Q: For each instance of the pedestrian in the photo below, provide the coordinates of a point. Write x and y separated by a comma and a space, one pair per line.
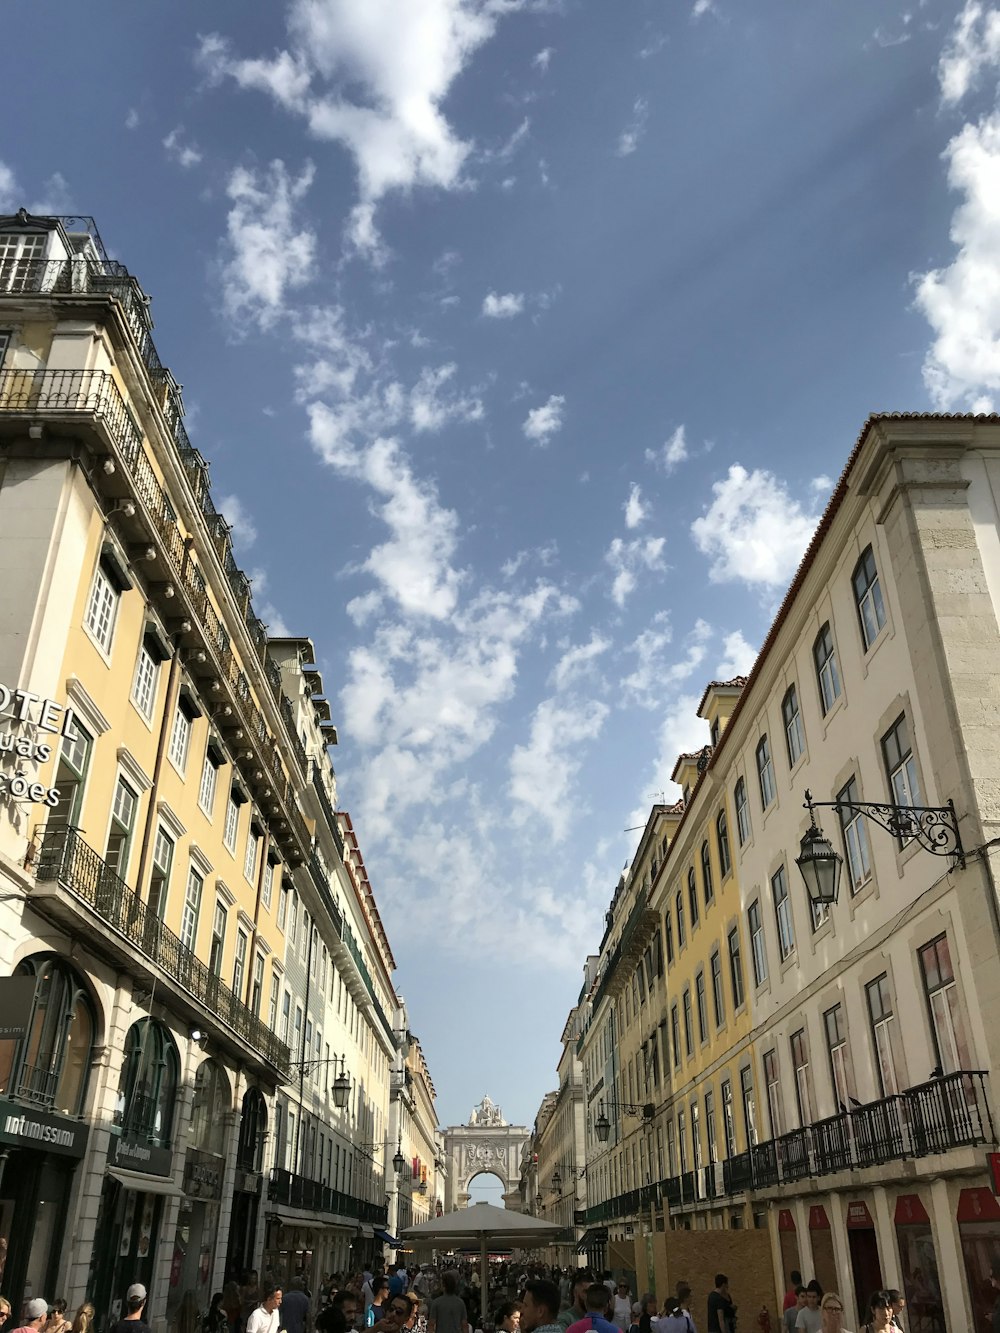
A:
57, 1321
340, 1315
507, 1318
216, 1320
232, 1304
380, 1302
895, 1296
295, 1307
83, 1321
447, 1313
598, 1298
186, 1319
675, 1319
721, 1310
791, 1295
809, 1319
879, 1313
265, 1318
792, 1313
33, 1315
540, 1308
832, 1310
622, 1310
650, 1313
249, 1294
636, 1316
134, 1320
577, 1308
5, 1310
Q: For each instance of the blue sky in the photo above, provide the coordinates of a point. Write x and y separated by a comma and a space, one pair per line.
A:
524, 338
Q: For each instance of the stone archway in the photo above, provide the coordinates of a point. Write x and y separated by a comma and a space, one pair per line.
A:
486, 1145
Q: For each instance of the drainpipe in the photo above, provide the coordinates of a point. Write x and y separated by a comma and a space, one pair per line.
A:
302, 1047
169, 705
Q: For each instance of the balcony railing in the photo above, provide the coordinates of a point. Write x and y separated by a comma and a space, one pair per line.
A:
300, 1192
932, 1118
38, 1085
66, 859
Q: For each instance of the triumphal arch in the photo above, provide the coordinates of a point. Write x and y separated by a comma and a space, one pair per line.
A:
486, 1144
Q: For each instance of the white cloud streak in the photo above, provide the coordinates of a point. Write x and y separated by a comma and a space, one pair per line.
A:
506, 306
635, 511
628, 140
671, 453
543, 422
753, 531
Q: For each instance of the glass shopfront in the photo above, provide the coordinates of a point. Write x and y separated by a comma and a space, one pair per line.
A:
247, 1187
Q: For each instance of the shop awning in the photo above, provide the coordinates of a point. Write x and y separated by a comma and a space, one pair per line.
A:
143, 1184
386, 1239
592, 1237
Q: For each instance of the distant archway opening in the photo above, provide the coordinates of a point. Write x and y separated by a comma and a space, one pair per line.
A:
485, 1187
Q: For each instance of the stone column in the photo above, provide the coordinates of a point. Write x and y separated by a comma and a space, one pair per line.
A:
958, 1312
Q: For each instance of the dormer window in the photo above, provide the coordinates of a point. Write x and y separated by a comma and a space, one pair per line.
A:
715, 731
21, 260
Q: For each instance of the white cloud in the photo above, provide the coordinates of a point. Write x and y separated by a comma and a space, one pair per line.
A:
375, 78
503, 307
239, 519
671, 453
542, 59
701, 7
961, 302
267, 253
635, 511
577, 662
628, 140
543, 772
132, 119
972, 48
738, 656
644, 685
682, 731
431, 408
753, 531
9, 189
510, 145
628, 558
542, 422
265, 608
186, 155
55, 198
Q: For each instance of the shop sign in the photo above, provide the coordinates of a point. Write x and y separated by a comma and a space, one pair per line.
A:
977, 1205
35, 1129
247, 1182
910, 1211
28, 714
786, 1222
818, 1220
202, 1176
137, 1155
17, 999
993, 1162
858, 1216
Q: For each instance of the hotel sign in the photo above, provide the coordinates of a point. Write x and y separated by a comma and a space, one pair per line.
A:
28, 715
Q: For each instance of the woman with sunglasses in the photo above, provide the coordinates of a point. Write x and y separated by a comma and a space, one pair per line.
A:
879, 1312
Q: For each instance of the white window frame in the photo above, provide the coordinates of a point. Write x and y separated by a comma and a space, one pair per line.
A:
869, 600
192, 907
102, 609
145, 681
765, 773
855, 836
163, 865
208, 786
250, 855
180, 740
772, 1084
116, 821
240, 963
791, 716
744, 828
217, 949
783, 913
800, 1067
827, 671
758, 945
267, 888
881, 1029
837, 1050
232, 825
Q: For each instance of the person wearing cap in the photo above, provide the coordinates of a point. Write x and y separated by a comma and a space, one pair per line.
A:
33, 1315
134, 1320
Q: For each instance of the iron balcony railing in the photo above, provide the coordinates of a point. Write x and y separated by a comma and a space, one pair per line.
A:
300, 1192
38, 1085
932, 1118
66, 859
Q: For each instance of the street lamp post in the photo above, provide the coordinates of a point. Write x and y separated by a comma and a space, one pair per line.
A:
933, 827
646, 1111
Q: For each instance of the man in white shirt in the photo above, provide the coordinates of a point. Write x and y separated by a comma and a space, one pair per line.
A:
265, 1318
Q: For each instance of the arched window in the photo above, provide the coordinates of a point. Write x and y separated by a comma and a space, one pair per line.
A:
147, 1088
693, 897
253, 1131
706, 872
49, 1068
742, 811
722, 838
679, 904
209, 1106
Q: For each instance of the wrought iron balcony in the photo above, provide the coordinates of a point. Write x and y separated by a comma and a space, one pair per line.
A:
37, 1084
67, 860
300, 1192
932, 1118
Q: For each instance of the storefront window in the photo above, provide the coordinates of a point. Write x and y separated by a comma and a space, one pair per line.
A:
49, 1068
209, 1108
253, 1129
147, 1089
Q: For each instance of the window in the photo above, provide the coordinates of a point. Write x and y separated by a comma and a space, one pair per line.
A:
209, 1106
668, 928
272, 1007
868, 598
147, 1088
147, 669
679, 904
180, 738
240, 964
21, 262
159, 880
758, 947
102, 608
881, 1017
742, 804
706, 873
250, 858
718, 997
827, 674
74, 761
749, 1105
728, 1118
682, 1141
765, 773
50, 1068
192, 906
120, 832
675, 1035
286, 1007
900, 765
693, 897
696, 1156
232, 822
736, 967
267, 887
4, 344
795, 740
209, 780
688, 1024
218, 940
701, 1001
942, 1001
800, 1064
836, 1046
283, 895
772, 1084
783, 912
855, 835
722, 839
713, 1151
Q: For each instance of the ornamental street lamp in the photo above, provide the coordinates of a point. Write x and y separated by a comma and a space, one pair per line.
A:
398, 1160
340, 1088
933, 827
556, 1181
602, 1125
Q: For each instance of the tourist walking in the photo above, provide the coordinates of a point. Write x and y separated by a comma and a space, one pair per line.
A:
447, 1312
295, 1307
809, 1319
832, 1310
33, 1316
265, 1318
791, 1312
721, 1310
134, 1320
598, 1299
792, 1294
540, 1307
577, 1307
622, 1308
